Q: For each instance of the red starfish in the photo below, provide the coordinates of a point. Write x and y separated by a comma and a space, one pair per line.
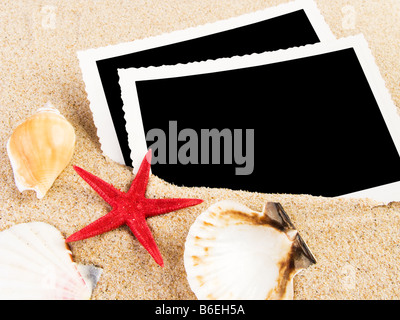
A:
131, 208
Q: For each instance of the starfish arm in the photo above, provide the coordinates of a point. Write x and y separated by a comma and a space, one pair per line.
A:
139, 183
142, 232
155, 207
104, 224
108, 192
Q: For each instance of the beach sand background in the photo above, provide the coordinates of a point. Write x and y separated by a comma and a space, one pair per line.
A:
356, 241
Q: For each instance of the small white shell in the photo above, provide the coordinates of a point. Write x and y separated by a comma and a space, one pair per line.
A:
36, 264
39, 149
232, 252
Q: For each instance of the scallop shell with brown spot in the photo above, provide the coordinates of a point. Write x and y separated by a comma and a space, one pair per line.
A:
39, 150
233, 252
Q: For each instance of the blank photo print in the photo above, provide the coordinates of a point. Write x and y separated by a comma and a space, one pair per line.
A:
293, 24
313, 120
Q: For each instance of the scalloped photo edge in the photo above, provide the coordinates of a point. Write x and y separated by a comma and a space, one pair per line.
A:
128, 77
94, 88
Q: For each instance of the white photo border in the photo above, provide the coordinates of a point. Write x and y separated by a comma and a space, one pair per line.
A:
128, 77
94, 89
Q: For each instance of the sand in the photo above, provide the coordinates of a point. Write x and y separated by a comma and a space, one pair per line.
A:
355, 240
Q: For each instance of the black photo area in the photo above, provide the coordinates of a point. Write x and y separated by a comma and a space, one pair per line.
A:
281, 32
318, 128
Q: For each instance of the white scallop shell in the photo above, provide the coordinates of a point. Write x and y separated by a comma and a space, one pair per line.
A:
233, 252
35, 263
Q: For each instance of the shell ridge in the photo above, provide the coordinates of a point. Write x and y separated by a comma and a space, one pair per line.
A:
36, 264
15, 247
32, 238
233, 252
60, 256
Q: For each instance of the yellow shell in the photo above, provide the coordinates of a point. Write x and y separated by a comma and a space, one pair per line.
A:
39, 150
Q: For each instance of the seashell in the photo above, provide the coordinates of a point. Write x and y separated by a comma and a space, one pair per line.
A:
233, 252
35, 263
39, 150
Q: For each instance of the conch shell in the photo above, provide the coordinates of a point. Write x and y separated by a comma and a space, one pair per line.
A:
235, 253
39, 150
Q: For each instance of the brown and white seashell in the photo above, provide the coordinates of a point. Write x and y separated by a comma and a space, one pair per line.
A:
36, 264
233, 252
39, 150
